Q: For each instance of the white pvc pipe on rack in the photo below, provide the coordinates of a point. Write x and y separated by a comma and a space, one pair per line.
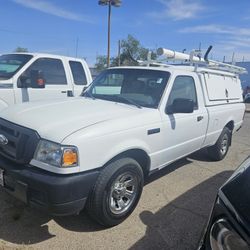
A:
174, 55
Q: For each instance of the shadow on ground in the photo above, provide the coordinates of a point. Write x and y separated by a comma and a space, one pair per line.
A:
22, 225
201, 155
167, 170
180, 224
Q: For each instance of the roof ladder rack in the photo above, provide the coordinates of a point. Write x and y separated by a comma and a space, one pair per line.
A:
195, 58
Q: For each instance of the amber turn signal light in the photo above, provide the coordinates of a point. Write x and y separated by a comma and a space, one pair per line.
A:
69, 157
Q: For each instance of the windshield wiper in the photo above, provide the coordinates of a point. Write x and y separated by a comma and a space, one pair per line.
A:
127, 100
88, 94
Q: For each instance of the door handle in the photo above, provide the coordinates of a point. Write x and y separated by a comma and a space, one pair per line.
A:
68, 92
199, 118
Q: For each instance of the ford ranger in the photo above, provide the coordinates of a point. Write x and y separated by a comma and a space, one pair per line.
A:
96, 150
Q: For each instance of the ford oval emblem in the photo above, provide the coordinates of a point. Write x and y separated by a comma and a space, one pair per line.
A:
3, 140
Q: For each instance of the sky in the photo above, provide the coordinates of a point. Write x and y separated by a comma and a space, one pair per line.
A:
79, 27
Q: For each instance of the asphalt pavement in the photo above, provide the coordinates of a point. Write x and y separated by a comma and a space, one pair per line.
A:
248, 107
171, 214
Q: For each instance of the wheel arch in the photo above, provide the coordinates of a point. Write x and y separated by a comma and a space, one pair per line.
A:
140, 155
230, 125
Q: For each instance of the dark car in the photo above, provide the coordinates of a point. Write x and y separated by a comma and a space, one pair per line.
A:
247, 98
229, 224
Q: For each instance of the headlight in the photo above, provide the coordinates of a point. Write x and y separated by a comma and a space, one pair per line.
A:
223, 236
56, 154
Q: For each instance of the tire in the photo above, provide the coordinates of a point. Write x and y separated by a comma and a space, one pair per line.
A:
219, 150
116, 192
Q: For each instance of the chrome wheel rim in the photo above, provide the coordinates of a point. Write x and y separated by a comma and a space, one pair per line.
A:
224, 144
123, 193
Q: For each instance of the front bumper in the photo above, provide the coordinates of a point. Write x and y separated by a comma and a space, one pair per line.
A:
57, 194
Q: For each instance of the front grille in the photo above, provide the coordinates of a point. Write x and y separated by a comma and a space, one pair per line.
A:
21, 144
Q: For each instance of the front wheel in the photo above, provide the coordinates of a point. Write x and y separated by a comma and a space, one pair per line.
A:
218, 151
116, 192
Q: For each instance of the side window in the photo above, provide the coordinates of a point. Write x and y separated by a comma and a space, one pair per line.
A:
52, 69
183, 87
78, 73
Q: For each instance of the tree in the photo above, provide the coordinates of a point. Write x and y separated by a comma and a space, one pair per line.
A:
131, 50
101, 63
20, 49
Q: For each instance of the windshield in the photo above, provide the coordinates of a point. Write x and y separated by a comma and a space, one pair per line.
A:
139, 87
10, 64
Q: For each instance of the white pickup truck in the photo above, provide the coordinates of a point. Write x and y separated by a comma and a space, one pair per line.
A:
97, 149
21, 77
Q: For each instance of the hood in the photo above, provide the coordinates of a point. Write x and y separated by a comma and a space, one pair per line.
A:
6, 81
55, 120
6, 84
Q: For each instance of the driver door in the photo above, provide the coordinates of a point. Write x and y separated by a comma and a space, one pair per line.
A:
184, 133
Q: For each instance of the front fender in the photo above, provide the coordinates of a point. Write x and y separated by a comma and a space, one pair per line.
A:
97, 152
122, 147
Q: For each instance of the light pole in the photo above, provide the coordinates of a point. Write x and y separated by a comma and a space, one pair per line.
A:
109, 3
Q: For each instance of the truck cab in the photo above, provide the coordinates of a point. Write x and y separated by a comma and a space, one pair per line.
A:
60, 77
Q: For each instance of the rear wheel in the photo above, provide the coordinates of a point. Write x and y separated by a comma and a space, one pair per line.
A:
219, 150
116, 192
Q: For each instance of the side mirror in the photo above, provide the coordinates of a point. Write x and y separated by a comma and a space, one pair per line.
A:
181, 105
37, 80
34, 80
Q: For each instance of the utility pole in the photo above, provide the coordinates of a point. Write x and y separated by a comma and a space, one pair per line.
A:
233, 62
77, 46
109, 3
109, 18
119, 53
